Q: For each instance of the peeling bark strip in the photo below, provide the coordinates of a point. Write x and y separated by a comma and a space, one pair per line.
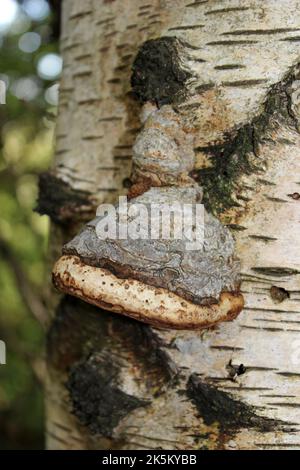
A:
158, 73
279, 294
97, 400
216, 406
61, 202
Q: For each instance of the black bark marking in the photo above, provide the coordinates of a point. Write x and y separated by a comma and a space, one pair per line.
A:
249, 32
71, 46
61, 202
105, 21
261, 369
229, 67
227, 348
98, 401
289, 405
272, 310
215, 405
242, 389
276, 271
62, 151
278, 396
232, 159
143, 13
191, 46
279, 294
266, 182
154, 22
245, 83
238, 228
187, 27
263, 238
235, 370
226, 10
89, 101
79, 332
276, 199
292, 375
197, 59
82, 74
292, 39
269, 446
80, 14
272, 330
123, 157
110, 119
157, 72
196, 4
288, 322
76, 331
123, 147
114, 81
231, 43
204, 87
92, 137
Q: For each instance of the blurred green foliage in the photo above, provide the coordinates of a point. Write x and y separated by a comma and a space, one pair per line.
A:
26, 146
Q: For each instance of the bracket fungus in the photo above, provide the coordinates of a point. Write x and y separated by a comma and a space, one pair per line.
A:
155, 279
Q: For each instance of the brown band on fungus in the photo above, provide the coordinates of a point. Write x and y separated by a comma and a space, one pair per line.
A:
156, 306
139, 188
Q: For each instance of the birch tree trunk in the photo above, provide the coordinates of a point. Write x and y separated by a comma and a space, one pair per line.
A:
114, 382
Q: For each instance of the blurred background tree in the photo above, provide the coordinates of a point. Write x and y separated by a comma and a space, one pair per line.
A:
30, 66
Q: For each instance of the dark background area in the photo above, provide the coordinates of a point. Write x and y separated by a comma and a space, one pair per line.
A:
30, 66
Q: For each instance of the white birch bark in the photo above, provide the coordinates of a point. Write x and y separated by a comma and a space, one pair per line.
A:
238, 51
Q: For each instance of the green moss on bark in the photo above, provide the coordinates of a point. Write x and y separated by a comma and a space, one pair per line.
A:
239, 154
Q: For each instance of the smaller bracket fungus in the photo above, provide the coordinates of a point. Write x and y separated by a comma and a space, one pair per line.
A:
163, 152
143, 266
